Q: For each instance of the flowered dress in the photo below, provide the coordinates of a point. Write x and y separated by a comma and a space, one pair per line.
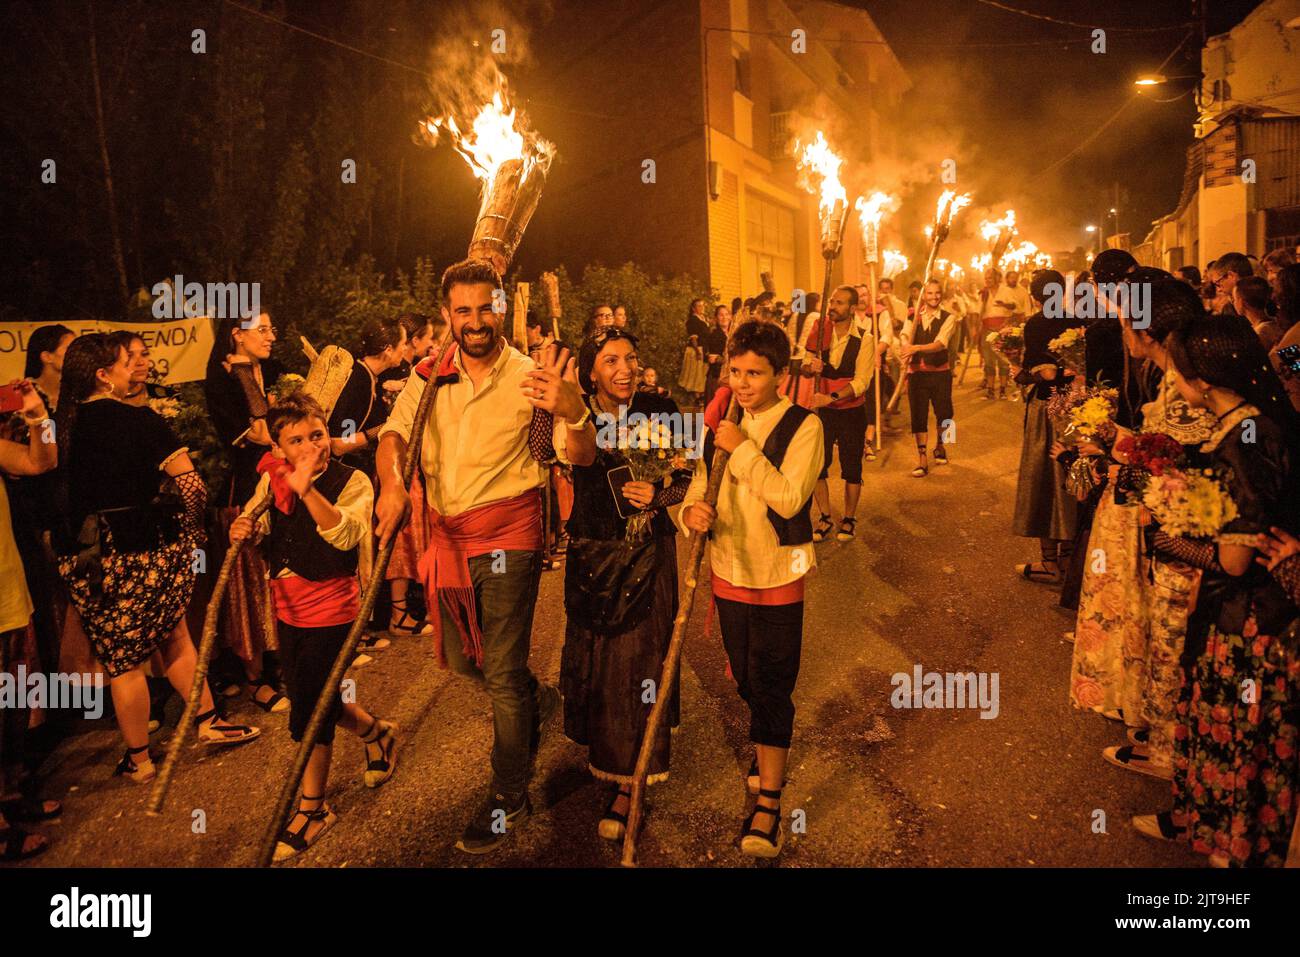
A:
1152, 682
1235, 760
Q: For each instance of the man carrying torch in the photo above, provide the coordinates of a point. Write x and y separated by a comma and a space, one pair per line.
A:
481, 462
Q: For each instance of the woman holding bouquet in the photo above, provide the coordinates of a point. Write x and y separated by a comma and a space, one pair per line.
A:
1044, 509
1111, 616
620, 584
1172, 433
1235, 764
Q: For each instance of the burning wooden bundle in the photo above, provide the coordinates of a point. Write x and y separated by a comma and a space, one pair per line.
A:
512, 161
997, 233
893, 263
819, 173
948, 206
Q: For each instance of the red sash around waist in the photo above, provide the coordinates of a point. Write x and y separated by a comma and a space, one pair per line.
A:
513, 524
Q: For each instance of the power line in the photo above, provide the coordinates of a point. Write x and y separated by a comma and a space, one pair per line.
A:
1074, 23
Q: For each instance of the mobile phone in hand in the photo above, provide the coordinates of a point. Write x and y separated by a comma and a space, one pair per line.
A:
1290, 359
617, 479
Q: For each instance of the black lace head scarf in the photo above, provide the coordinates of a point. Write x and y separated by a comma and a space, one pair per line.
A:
1224, 351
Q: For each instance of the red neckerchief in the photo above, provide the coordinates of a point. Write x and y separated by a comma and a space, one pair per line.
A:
447, 371
277, 470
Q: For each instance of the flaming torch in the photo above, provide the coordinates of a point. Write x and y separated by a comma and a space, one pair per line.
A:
819, 173
894, 263
997, 233
870, 212
950, 203
512, 161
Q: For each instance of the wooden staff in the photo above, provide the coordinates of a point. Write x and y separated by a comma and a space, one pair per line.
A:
257, 409
875, 348
158, 794
672, 660
289, 789
821, 322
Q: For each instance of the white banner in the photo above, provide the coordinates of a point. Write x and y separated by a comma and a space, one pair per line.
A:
178, 349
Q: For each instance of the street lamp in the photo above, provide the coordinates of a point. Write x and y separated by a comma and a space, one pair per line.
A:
1159, 79
1090, 229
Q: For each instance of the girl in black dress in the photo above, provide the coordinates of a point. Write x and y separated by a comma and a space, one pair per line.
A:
132, 522
620, 595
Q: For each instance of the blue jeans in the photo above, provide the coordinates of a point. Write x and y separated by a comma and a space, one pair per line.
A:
505, 600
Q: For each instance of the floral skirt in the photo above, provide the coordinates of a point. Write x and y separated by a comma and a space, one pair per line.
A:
603, 681
1110, 627
142, 597
1235, 763
1167, 594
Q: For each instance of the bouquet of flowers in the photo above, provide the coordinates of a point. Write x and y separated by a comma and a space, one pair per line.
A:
648, 450
1190, 502
1009, 341
1153, 452
1069, 348
1084, 414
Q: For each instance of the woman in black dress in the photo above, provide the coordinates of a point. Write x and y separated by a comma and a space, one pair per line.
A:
240, 373
620, 594
126, 546
1236, 780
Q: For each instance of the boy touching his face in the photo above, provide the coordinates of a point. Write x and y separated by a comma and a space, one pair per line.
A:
315, 538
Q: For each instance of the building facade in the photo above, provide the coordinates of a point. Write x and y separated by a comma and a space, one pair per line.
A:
685, 165
1241, 186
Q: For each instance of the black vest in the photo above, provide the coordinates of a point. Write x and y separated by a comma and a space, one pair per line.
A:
294, 543
848, 366
921, 336
797, 529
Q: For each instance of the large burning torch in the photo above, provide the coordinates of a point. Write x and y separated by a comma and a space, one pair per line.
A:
819, 173
871, 211
512, 161
950, 203
997, 233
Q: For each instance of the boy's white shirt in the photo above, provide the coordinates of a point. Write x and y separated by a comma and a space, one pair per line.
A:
744, 549
355, 503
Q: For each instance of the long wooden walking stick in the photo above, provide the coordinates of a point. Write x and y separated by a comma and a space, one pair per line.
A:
289, 790
158, 794
875, 349
672, 660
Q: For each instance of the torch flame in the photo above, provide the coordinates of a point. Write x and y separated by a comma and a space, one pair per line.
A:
981, 263
991, 230
894, 262
872, 210
949, 204
819, 171
497, 135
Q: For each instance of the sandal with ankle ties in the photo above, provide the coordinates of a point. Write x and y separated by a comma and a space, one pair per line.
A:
759, 843
292, 843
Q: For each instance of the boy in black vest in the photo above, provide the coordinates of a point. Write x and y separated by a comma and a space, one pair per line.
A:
315, 537
761, 533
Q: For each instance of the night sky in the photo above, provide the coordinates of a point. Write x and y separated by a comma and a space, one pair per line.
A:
1019, 109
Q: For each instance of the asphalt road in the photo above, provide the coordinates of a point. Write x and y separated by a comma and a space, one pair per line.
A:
929, 581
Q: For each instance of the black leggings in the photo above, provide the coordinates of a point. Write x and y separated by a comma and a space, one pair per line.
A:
763, 644
926, 389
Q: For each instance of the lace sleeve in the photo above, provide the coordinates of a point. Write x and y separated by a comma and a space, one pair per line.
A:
674, 493
1287, 573
540, 430
194, 493
1197, 554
